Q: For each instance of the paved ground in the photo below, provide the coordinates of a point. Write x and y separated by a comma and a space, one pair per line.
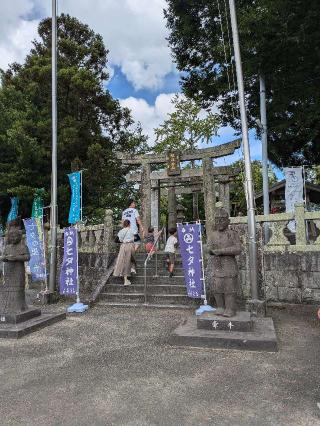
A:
114, 368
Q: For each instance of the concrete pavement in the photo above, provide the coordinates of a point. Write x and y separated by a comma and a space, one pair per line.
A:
113, 367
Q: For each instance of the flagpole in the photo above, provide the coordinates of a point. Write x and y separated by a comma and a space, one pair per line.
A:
54, 206
247, 159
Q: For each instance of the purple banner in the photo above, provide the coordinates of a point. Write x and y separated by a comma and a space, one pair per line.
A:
190, 247
37, 261
69, 268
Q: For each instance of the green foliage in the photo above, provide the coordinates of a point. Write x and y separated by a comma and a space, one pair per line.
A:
237, 192
92, 126
185, 127
278, 38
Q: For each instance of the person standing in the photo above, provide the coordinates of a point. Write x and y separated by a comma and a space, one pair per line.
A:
132, 214
170, 250
125, 257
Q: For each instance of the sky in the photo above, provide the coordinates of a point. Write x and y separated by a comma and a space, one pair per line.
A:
143, 75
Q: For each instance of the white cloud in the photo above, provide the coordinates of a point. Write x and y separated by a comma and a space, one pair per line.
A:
133, 30
16, 32
150, 116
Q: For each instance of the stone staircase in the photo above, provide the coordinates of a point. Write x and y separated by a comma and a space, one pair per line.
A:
162, 291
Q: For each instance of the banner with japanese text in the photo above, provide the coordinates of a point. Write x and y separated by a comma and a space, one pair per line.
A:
75, 206
293, 191
13, 214
37, 261
189, 236
69, 268
37, 211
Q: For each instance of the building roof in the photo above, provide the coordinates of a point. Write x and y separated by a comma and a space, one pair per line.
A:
281, 184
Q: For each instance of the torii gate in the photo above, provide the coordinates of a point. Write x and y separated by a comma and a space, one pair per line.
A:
151, 180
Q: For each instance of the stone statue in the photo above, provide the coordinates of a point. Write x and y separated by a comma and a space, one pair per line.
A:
12, 293
222, 268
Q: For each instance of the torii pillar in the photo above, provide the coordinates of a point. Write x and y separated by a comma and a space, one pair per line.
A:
145, 195
209, 196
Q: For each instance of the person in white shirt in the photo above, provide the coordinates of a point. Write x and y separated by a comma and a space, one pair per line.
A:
170, 250
125, 257
132, 214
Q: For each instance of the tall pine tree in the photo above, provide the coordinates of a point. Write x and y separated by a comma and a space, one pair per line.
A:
92, 126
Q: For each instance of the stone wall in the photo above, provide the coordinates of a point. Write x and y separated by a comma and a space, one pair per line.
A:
292, 277
289, 268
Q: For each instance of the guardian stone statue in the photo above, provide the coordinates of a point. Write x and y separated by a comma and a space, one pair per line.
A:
222, 268
12, 293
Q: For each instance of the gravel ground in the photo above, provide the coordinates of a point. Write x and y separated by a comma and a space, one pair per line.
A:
112, 366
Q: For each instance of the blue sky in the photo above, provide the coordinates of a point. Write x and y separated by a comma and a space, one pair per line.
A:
143, 75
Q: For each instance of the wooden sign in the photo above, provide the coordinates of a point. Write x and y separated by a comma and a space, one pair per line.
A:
173, 167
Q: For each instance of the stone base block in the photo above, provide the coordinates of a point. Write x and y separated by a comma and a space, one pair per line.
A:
240, 322
15, 331
256, 307
15, 318
261, 338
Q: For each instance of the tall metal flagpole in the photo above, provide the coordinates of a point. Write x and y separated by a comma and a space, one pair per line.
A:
247, 160
264, 138
54, 207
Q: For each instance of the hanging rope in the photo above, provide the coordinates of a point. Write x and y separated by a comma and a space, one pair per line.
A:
230, 51
225, 54
235, 115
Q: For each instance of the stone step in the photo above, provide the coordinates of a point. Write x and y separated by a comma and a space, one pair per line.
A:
139, 279
161, 258
168, 299
152, 289
160, 265
104, 303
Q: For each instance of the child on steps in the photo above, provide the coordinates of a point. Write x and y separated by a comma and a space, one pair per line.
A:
170, 250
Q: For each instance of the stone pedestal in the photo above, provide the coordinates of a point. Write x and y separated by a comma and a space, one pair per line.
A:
241, 322
20, 329
16, 318
239, 332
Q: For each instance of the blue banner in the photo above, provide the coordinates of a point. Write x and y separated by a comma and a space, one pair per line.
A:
69, 268
189, 236
75, 206
13, 214
37, 261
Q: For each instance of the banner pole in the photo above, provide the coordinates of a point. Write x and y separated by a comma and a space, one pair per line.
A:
205, 302
81, 196
44, 254
205, 307
54, 204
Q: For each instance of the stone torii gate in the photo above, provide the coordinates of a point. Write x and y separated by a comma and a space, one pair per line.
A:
189, 182
150, 180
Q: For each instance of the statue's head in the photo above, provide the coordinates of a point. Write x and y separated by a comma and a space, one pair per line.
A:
14, 233
221, 219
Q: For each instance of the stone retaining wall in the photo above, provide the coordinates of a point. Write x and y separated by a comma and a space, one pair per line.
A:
292, 277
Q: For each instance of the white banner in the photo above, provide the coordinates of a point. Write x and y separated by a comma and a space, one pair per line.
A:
294, 191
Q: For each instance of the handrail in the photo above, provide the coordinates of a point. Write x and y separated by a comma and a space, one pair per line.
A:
155, 244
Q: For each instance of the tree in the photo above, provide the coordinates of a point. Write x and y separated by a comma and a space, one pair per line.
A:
92, 126
237, 192
280, 39
184, 129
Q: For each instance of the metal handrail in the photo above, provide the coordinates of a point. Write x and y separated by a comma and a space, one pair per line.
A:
155, 244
